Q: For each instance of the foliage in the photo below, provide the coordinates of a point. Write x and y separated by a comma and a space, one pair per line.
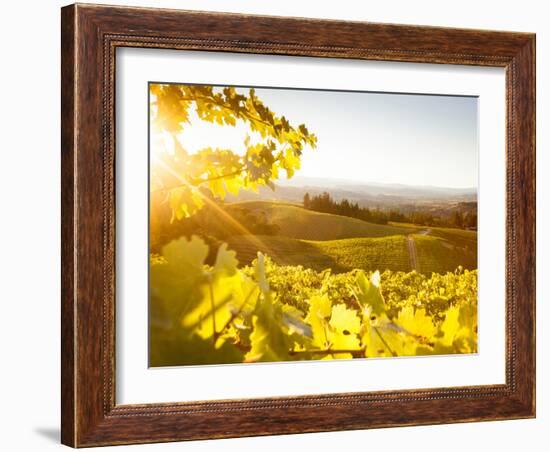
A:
339, 255
325, 203
188, 181
439, 255
391, 253
219, 313
207, 308
418, 216
296, 222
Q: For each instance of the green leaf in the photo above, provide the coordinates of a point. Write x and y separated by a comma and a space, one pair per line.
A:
188, 254
212, 312
176, 348
269, 342
261, 278
176, 282
368, 293
226, 261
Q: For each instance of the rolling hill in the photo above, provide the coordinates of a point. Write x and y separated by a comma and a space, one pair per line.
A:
340, 255
320, 241
298, 223
445, 248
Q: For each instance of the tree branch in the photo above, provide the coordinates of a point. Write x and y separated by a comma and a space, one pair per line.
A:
225, 106
199, 181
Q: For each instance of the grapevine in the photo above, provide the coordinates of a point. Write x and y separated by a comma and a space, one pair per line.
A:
220, 313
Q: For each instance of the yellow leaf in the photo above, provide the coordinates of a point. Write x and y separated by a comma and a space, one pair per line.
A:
341, 341
320, 305
450, 326
416, 322
374, 341
233, 184
344, 327
344, 319
217, 188
319, 311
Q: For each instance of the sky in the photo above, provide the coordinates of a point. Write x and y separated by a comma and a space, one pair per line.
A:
420, 140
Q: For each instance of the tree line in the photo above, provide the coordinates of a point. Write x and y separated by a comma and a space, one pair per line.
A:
326, 204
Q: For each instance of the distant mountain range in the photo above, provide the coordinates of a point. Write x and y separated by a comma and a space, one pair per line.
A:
370, 194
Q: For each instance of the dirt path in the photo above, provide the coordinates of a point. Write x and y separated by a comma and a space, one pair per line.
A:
413, 252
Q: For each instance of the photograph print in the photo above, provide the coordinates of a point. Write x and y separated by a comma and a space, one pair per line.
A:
296, 224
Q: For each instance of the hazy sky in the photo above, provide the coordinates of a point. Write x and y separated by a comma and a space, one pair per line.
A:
371, 137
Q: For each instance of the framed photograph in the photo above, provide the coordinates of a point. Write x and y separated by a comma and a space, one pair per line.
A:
282, 225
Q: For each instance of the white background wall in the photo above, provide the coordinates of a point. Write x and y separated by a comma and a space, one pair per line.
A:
29, 264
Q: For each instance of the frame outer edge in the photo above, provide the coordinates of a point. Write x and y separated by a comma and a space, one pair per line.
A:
86, 419
534, 226
68, 242
525, 62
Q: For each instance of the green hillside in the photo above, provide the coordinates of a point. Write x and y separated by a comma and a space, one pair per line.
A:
441, 255
459, 237
319, 241
298, 223
340, 255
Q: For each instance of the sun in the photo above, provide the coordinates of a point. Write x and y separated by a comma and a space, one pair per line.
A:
198, 134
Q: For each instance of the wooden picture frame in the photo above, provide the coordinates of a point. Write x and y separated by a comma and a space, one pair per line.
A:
90, 36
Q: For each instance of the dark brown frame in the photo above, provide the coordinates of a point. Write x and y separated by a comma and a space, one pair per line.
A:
90, 35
